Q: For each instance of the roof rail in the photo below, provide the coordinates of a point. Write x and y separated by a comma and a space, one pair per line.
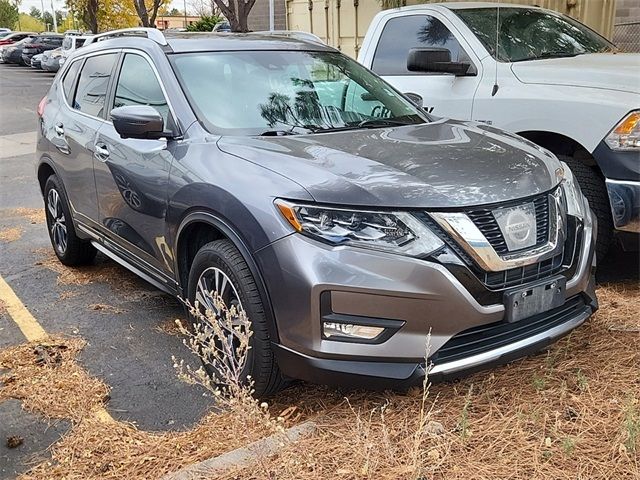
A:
309, 37
151, 33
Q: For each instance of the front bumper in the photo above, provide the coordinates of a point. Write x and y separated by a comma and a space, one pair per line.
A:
423, 296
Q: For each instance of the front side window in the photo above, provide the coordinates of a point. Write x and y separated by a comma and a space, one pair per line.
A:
138, 85
401, 34
92, 84
254, 92
530, 34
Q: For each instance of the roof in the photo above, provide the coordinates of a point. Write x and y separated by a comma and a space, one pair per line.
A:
466, 5
196, 42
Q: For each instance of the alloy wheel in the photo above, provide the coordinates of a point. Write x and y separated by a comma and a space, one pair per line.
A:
57, 221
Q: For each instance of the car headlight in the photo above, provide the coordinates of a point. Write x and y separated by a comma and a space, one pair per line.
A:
394, 232
626, 135
570, 191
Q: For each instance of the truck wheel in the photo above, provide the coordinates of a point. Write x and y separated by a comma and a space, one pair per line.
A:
218, 266
594, 188
69, 249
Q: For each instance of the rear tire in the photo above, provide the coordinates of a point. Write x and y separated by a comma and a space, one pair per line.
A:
594, 188
223, 256
69, 249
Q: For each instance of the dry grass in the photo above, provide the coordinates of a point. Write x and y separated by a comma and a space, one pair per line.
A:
106, 309
170, 327
572, 413
33, 215
45, 376
10, 234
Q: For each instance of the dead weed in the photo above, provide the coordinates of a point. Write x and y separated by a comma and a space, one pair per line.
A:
10, 234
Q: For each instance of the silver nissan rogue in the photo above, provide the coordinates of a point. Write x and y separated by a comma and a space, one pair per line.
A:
344, 220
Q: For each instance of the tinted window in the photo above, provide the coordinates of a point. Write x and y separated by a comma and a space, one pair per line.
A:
138, 85
529, 34
69, 77
401, 34
92, 84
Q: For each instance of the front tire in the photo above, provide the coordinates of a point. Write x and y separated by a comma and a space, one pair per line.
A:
219, 265
594, 188
69, 249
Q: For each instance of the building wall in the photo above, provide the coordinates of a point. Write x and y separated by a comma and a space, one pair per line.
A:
343, 23
626, 31
164, 22
259, 15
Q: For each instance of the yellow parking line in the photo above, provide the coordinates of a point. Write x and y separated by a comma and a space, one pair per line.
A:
32, 330
29, 326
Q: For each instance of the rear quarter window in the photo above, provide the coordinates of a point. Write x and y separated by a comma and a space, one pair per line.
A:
91, 91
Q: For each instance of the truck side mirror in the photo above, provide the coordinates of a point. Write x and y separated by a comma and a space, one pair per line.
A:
435, 60
415, 98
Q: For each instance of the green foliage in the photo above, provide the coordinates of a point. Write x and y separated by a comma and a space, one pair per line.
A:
8, 14
35, 13
30, 24
205, 24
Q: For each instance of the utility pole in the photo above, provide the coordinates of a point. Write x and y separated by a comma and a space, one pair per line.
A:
185, 13
272, 16
55, 22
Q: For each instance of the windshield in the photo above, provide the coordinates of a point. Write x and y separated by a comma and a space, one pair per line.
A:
528, 34
257, 92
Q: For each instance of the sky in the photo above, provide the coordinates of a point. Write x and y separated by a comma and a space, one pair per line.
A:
26, 5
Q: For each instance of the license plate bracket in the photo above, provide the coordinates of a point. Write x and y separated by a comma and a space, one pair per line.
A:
531, 300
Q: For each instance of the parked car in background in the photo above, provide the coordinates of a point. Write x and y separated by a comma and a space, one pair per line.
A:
51, 60
4, 34
350, 225
40, 44
70, 44
13, 52
36, 61
4, 31
13, 37
546, 77
222, 27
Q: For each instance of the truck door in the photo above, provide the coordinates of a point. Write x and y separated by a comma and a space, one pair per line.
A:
443, 94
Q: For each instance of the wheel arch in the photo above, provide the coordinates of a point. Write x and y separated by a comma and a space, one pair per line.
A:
202, 227
561, 144
45, 170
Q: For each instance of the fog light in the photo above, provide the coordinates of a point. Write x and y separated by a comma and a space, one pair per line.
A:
348, 330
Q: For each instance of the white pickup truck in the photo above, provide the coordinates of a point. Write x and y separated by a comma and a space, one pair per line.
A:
545, 77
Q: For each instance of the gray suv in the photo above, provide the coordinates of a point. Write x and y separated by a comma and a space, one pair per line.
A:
347, 222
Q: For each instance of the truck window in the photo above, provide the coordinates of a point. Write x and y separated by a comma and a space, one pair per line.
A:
401, 34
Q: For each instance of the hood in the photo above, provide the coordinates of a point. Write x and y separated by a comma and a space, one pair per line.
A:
442, 164
611, 71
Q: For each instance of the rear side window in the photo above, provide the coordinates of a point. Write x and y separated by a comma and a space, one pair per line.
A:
69, 79
92, 84
401, 34
138, 85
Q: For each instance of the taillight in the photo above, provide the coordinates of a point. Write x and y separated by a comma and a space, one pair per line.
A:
41, 105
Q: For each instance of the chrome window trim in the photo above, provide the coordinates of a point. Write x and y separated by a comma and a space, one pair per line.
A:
466, 234
84, 57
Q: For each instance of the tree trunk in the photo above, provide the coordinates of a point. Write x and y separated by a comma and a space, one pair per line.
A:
141, 10
237, 13
90, 15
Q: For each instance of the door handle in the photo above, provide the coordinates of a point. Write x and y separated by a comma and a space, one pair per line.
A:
59, 129
102, 152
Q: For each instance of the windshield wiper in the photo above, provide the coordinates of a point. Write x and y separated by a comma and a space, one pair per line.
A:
382, 122
277, 133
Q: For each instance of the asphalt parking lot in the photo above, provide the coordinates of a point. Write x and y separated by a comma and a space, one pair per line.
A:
128, 325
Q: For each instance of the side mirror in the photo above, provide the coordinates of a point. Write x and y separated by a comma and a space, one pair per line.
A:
415, 98
138, 121
435, 60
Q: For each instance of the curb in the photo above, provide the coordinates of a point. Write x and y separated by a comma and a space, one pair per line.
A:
243, 457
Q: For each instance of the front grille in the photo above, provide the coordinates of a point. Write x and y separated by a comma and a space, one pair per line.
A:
486, 223
521, 275
489, 337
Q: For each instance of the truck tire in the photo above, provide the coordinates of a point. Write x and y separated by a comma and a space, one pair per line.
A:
221, 258
593, 187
